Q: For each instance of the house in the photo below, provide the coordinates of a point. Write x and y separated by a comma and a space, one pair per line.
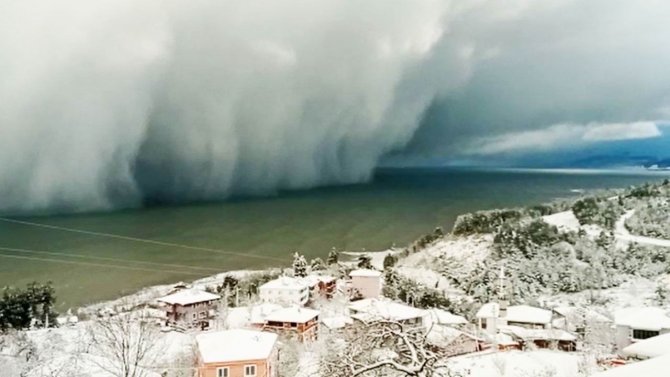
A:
542, 338
285, 290
336, 323
648, 348
320, 286
635, 324
490, 316
365, 283
372, 309
189, 307
237, 353
452, 342
298, 322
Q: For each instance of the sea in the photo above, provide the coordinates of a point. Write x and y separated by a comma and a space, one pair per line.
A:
98, 256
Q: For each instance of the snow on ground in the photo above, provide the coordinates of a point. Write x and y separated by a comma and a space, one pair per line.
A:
567, 222
639, 292
622, 233
465, 251
522, 364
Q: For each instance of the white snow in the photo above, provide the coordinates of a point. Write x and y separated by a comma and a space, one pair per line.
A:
518, 364
565, 221
292, 314
365, 273
285, 282
648, 348
443, 317
385, 309
622, 233
535, 334
528, 314
235, 345
189, 297
488, 310
656, 367
643, 318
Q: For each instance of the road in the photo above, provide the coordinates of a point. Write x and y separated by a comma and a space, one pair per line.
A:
621, 233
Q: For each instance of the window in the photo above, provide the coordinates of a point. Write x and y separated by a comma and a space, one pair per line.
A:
222, 372
644, 334
195, 316
249, 370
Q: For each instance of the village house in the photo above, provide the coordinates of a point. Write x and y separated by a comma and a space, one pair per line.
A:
365, 283
237, 353
445, 318
320, 286
298, 322
285, 290
491, 316
635, 324
542, 338
189, 308
372, 309
452, 342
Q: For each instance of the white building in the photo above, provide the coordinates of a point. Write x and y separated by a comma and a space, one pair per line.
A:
490, 317
376, 309
635, 324
285, 290
366, 283
237, 353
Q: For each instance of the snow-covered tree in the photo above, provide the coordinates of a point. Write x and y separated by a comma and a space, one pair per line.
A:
317, 264
364, 261
333, 257
299, 265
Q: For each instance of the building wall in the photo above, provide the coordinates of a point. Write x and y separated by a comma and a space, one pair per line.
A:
368, 286
624, 336
288, 295
236, 369
184, 314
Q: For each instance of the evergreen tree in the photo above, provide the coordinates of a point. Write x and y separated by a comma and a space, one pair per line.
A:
299, 265
389, 261
364, 261
333, 257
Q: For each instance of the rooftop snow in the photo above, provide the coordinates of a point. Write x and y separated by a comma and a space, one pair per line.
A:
645, 318
235, 345
294, 314
648, 348
444, 317
365, 273
488, 310
528, 314
538, 334
189, 297
384, 309
285, 282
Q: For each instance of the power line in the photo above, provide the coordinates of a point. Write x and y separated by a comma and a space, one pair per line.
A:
96, 264
135, 239
17, 250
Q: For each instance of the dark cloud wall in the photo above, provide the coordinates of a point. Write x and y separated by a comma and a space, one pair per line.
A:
107, 103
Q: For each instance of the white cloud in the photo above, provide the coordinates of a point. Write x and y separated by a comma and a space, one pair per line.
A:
561, 135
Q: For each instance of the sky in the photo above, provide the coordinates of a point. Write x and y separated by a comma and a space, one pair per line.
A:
110, 103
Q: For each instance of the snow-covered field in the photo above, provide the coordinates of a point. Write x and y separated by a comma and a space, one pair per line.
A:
541, 363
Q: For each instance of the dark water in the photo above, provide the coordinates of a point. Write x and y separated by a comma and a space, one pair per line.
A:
397, 207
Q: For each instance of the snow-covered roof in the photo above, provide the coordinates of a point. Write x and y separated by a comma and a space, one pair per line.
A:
189, 297
365, 273
444, 317
235, 345
538, 334
587, 314
488, 310
293, 314
656, 367
442, 336
385, 309
528, 314
260, 312
648, 348
645, 318
285, 282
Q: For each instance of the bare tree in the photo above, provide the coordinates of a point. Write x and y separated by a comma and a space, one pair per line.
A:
124, 345
381, 348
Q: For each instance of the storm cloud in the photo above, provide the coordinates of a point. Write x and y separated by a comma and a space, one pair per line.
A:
107, 103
